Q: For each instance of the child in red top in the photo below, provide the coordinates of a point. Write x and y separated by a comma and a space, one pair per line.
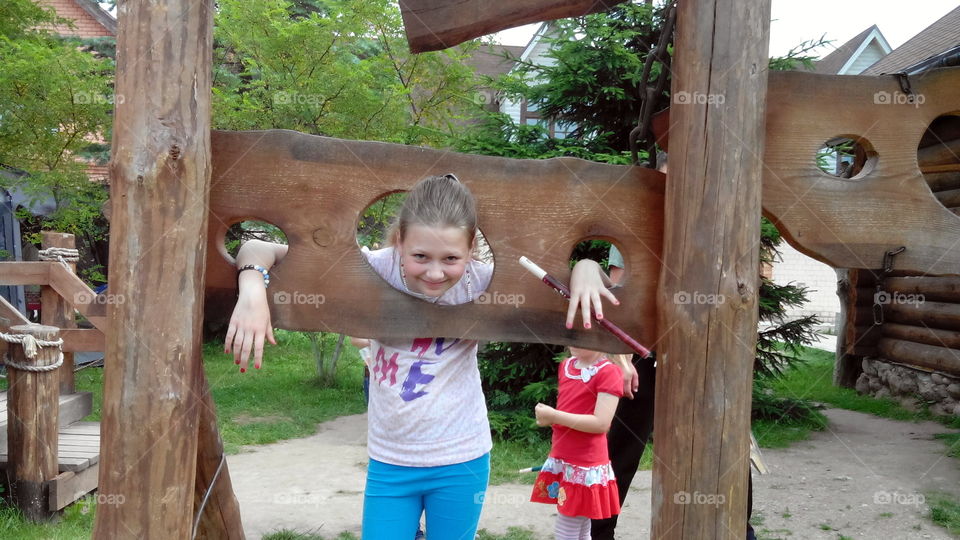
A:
577, 476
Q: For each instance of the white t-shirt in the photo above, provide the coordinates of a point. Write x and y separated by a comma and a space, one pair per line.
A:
426, 401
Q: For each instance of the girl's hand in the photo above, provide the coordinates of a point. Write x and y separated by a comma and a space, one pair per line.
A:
544, 414
249, 324
631, 380
587, 284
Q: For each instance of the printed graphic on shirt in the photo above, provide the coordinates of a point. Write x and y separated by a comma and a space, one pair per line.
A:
415, 383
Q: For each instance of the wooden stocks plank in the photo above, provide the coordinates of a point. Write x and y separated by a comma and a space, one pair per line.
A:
315, 188
438, 24
850, 223
709, 287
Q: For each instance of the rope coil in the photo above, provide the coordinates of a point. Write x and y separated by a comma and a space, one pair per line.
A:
59, 254
31, 346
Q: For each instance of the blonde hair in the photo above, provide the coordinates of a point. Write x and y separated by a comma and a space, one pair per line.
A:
437, 201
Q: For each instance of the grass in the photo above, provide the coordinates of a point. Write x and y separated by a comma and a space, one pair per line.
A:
813, 381
75, 524
945, 511
281, 401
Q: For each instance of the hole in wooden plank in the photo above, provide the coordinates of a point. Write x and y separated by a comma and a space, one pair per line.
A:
610, 257
937, 157
244, 231
847, 157
376, 233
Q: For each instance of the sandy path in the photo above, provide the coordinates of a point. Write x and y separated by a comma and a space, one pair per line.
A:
848, 479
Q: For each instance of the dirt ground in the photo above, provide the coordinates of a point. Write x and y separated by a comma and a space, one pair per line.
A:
863, 478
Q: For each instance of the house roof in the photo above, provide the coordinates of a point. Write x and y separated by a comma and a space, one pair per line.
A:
940, 36
835, 62
101, 15
494, 60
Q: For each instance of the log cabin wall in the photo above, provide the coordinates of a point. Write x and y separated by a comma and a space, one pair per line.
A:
914, 354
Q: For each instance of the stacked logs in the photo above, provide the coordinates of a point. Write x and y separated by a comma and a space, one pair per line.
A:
918, 350
914, 355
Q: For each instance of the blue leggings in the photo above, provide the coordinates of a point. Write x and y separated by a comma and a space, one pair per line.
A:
451, 495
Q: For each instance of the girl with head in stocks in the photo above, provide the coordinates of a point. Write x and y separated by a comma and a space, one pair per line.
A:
428, 433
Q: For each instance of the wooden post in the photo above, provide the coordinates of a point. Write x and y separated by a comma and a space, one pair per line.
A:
55, 310
221, 515
707, 302
160, 180
33, 410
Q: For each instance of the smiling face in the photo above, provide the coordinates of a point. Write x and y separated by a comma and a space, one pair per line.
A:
433, 258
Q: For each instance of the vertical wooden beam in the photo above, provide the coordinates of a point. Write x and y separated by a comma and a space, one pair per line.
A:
160, 180
707, 302
33, 411
55, 310
220, 518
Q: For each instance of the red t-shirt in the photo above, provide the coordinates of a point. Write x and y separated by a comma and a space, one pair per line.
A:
580, 397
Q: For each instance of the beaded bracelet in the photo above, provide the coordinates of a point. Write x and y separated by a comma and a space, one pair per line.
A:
258, 268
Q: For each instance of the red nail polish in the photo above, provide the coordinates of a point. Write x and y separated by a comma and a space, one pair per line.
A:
243, 370
237, 362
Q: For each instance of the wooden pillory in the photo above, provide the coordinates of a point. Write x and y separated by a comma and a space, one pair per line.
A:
176, 190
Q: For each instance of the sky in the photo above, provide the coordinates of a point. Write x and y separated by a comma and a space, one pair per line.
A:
796, 21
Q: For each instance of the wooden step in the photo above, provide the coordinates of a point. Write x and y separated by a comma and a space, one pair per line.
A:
73, 408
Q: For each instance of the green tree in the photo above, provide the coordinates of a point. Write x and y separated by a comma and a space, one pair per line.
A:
55, 104
340, 69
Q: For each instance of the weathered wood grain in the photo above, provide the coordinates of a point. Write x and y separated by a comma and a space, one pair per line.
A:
315, 188
33, 408
159, 180
712, 225
437, 24
920, 334
24, 273
221, 514
850, 223
919, 354
57, 311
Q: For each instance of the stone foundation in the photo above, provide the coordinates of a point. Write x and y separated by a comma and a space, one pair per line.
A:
910, 386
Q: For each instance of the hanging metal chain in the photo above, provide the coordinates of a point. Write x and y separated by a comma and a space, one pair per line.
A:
652, 94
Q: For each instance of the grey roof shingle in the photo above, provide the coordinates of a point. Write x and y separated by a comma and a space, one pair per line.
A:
831, 63
935, 39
